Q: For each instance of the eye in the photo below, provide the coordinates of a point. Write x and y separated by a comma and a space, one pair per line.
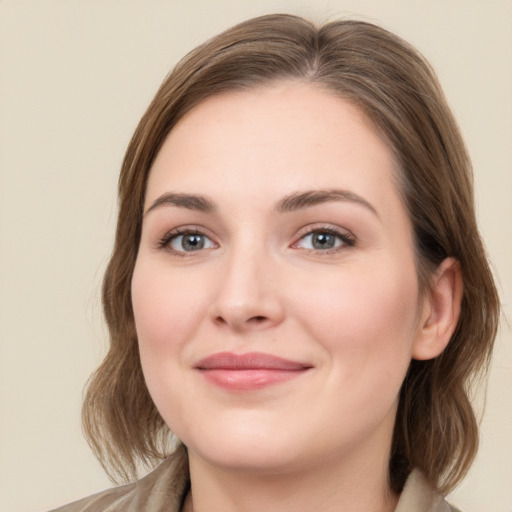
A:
186, 241
324, 240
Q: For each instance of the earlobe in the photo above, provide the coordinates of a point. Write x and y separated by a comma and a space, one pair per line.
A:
441, 311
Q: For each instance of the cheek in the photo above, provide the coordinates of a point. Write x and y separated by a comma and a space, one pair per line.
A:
166, 305
364, 319
166, 309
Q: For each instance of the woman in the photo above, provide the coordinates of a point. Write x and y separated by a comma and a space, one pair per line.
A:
298, 290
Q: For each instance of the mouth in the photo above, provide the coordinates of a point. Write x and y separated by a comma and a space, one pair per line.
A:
249, 371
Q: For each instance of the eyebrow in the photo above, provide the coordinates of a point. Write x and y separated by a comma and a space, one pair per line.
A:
290, 203
188, 201
300, 200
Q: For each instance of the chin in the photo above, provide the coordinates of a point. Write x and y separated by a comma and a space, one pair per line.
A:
247, 459
247, 448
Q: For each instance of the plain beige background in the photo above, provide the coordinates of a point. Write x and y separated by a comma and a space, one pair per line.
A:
75, 77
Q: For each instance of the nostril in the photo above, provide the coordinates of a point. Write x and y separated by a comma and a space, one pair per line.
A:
220, 320
258, 319
253, 320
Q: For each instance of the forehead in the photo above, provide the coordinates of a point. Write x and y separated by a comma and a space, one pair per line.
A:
275, 139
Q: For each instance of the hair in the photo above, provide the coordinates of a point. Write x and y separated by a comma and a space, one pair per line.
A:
436, 429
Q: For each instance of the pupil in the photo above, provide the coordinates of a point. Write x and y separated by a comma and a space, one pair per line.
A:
193, 242
323, 241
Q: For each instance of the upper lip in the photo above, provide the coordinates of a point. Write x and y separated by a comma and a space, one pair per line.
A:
248, 361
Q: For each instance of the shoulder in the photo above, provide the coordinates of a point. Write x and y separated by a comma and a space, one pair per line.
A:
161, 490
419, 496
111, 499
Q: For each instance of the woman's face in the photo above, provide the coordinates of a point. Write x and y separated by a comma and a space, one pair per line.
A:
275, 290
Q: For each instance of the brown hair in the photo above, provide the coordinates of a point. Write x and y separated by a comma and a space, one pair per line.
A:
436, 429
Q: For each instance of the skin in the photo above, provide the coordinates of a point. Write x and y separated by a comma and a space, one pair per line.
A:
352, 312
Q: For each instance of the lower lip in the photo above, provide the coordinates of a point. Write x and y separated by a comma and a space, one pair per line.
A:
250, 379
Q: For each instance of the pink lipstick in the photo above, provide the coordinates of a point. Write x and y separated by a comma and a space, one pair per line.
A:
249, 371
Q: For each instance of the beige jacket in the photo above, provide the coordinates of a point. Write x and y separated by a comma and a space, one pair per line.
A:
163, 490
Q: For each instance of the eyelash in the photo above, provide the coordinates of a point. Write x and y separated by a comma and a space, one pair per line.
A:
347, 239
165, 241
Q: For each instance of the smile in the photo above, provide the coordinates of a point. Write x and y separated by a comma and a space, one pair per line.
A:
250, 371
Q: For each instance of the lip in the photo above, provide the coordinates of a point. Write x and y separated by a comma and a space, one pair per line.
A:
249, 371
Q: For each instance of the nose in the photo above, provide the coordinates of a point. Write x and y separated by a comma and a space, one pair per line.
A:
248, 296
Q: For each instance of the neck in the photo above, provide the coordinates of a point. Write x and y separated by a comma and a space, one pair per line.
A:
328, 486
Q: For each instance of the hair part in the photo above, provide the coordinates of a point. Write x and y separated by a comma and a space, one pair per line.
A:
395, 87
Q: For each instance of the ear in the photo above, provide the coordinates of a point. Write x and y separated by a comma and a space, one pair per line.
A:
441, 311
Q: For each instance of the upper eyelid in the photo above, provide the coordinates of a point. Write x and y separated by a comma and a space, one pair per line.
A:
188, 229
169, 235
333, 228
